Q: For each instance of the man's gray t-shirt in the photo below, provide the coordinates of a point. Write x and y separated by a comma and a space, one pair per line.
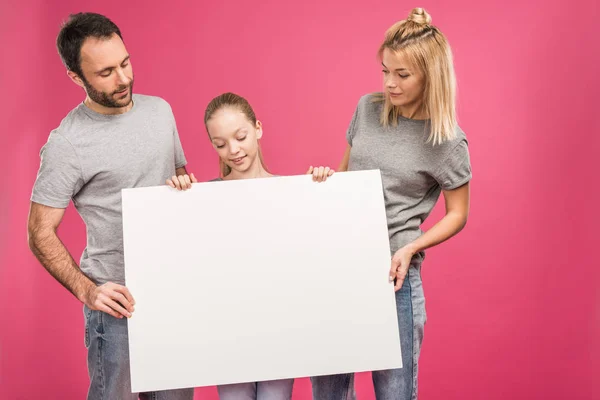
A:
90, 157
413, 172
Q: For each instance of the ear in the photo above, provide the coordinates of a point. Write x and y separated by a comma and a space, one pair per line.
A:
259, 131
75, 78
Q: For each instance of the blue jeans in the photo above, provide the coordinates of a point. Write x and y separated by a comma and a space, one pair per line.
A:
280, 389
393, 384
108, 361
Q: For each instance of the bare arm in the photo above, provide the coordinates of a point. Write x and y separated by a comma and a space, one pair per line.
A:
180, 171
50, 251
457, 212
344, 163
53, 255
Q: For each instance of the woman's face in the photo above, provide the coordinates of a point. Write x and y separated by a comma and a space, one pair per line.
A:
403, 83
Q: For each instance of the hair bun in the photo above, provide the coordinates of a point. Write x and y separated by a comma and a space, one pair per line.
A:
419, 16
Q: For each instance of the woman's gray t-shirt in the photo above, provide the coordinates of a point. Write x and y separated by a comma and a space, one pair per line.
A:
413, 172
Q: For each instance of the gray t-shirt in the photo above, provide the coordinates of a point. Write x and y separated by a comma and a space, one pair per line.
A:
413, 172
90, 157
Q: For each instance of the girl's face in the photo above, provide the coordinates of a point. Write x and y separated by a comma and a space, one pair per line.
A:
235, 138
403, 84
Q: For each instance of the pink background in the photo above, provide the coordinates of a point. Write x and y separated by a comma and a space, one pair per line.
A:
512, 301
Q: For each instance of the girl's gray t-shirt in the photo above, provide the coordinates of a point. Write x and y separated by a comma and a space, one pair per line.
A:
413, 172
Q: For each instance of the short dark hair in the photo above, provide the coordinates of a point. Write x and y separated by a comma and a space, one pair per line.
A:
75, 30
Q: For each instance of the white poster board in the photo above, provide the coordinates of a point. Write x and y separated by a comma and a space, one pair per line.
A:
258, 279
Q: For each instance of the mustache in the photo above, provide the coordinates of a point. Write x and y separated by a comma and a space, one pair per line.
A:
121, 88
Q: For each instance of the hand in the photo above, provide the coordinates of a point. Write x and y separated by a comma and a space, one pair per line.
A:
182, 182
400, 264
320, 174
110, 298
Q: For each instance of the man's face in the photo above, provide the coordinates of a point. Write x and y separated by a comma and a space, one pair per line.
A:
107, 72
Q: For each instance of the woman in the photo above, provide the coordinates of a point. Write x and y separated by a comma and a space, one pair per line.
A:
410, 133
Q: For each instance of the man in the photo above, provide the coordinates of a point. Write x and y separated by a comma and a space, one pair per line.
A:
113, 140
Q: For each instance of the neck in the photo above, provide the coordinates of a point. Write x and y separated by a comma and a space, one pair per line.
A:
413, 111
100, 109
256, 170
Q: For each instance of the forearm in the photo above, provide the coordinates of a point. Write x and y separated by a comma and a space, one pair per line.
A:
444, 229
53, 255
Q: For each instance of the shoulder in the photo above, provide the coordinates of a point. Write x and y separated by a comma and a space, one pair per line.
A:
370, 105
72, 126
456, 147
58, 149
460, 135
459, 141
152, 103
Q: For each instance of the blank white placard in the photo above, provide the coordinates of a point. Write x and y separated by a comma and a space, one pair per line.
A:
258, 279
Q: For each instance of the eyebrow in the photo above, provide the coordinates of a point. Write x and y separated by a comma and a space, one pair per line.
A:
111, 68
237, 130
397, 69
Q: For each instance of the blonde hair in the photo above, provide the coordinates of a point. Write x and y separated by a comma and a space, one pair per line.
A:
234, 101
428, 50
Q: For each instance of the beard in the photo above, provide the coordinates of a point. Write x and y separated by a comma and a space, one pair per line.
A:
108, 99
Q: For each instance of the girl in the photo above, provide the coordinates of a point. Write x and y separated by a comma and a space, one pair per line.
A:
410, 133
235, 132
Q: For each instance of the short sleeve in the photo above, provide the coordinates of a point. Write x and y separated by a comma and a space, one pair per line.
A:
180, 160
352, 128
455, 169
60, 176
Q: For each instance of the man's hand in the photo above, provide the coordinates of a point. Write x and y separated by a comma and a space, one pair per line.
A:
110, 298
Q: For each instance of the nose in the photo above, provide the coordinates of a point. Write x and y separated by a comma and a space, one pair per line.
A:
390, 82
122, 78
234, 148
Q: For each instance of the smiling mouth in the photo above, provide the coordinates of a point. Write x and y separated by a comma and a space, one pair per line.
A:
237, 160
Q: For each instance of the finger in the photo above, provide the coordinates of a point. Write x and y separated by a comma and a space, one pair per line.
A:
326, 173
170, 183
125, 292
188, 182
310, 170
330, 172
182, 183
321, 173
394, 265
400, 276
117, 307
176, 182
194, 180
316, 177
398, 284
119, 298
106, 309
